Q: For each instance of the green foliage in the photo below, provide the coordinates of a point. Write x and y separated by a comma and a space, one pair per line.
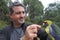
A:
4, 9
35, 9
53, 12
2, 24
4, 19
28, 19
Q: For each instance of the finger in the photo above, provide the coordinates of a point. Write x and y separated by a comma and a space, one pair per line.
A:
31, 27
39, 26
36, 26
33, 35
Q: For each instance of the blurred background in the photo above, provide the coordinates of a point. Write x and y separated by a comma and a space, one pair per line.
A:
36, 11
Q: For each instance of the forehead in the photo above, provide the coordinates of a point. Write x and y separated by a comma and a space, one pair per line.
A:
18, 8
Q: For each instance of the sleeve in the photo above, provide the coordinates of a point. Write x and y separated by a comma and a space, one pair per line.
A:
42, 34
2, 36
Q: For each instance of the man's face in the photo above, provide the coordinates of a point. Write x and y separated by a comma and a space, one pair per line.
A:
18, 15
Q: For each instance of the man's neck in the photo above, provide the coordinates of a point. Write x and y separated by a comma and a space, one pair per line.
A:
17, 25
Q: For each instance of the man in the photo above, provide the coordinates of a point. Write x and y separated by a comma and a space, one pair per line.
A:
18, 29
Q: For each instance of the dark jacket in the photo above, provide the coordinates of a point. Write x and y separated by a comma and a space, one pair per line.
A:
6, 32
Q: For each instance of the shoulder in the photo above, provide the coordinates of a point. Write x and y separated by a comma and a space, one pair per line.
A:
5, 29
4, 32
25, 25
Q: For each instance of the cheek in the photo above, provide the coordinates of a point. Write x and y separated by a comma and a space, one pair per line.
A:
24, 16
15, 17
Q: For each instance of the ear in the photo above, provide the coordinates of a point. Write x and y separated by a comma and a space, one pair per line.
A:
10, 15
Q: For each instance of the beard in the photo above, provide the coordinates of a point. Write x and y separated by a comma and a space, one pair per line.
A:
21, 21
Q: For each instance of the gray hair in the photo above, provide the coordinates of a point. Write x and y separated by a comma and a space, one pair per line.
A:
14, 4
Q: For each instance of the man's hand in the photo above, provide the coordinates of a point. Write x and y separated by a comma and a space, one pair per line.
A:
31, 32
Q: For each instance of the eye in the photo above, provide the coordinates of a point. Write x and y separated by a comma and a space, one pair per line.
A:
23, 12
18, 12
